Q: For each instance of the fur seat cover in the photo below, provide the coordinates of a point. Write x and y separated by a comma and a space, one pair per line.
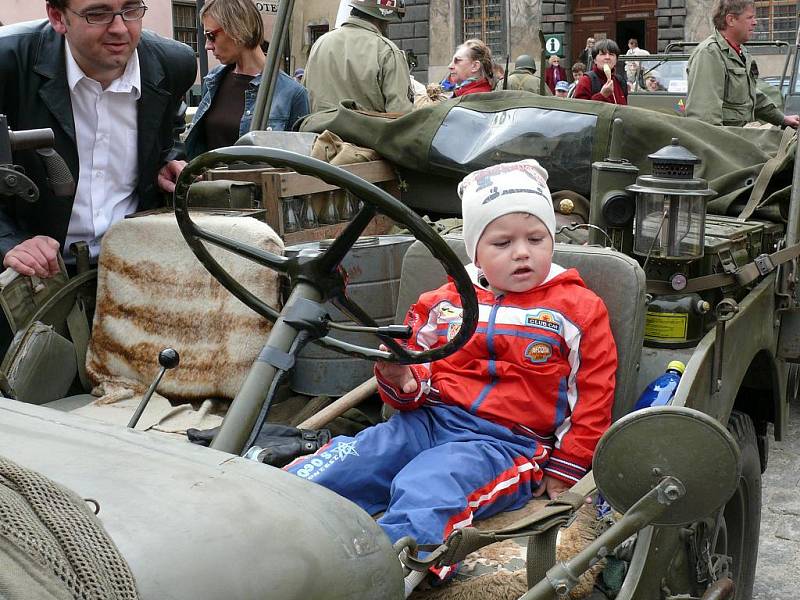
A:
153, 293
497, 571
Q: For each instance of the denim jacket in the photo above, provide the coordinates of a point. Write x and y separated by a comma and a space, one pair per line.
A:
289, 103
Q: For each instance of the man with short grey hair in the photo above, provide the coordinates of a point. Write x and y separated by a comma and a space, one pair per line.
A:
723, 74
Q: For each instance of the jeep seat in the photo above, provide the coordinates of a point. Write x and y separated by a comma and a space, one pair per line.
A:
616, 278
153, 293
499, 570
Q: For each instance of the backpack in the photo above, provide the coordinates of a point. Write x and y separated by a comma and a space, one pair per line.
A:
597, 84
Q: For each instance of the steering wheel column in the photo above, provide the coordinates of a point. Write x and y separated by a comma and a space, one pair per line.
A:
279, 354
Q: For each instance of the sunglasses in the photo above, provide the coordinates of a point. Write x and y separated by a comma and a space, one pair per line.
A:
211, 36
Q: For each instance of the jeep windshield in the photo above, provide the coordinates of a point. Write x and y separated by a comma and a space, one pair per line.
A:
561, 141
668, 73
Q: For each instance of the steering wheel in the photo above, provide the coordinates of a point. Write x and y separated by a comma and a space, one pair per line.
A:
323, 271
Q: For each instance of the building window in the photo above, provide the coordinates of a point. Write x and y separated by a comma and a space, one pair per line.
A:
776, 20
484, 19
184, 24
316, 31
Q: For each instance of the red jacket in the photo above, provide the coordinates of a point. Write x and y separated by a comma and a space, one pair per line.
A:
541, 363
584, 88
552, 75
481, 85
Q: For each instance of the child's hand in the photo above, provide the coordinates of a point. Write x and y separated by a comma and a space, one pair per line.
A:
400, 376
552, 486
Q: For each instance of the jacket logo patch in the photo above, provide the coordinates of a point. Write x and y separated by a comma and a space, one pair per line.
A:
448, 312
538, 352
544, 319
453, 329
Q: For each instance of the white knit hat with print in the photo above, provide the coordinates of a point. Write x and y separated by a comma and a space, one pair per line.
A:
518, 187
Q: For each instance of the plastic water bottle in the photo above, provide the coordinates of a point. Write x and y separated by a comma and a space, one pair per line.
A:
662, 389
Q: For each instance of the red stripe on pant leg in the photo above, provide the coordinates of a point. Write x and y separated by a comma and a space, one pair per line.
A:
534, 474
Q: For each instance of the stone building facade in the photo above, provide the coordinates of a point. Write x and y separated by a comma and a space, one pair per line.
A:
433, 28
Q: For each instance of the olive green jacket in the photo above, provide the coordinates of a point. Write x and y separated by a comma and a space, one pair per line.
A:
355, 62
722, 86
523, 79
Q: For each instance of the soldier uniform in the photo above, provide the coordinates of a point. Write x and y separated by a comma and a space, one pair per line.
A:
523, 79
356, 62
722, 86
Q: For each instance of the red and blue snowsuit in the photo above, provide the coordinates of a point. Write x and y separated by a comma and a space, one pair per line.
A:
529, 394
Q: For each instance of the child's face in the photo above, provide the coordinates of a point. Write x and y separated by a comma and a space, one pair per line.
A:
515, 252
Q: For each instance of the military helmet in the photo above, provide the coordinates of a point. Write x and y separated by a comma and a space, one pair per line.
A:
524, 61
385, 10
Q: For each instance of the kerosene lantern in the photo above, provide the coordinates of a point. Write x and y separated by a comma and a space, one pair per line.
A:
670, 233
670, 207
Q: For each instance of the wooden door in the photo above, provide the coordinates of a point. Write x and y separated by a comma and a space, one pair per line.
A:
599, 18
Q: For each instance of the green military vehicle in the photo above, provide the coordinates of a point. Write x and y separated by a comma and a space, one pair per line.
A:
692, 243
659, 81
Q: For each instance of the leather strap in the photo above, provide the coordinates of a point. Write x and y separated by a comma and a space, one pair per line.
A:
766, 173
541, 555
78, 326
760, 267
80, 250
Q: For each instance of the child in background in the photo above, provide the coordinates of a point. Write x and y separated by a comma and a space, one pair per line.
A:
516, 412
578, 69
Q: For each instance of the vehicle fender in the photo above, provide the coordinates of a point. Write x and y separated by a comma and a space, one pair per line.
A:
750, 339
196, 523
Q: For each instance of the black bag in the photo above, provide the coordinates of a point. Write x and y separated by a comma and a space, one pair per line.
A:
276, 445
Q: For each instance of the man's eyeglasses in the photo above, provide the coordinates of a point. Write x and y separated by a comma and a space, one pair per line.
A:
106, 17
211, 36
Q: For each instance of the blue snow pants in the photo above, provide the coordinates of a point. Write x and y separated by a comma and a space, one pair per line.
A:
431, 470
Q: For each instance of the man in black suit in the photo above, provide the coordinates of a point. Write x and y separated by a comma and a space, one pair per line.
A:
112, 94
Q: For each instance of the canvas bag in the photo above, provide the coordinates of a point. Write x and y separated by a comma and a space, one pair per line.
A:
21, 296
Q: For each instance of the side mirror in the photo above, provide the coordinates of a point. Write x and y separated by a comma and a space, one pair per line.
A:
644, 447
662, 465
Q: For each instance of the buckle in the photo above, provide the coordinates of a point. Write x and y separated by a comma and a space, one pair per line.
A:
764, 264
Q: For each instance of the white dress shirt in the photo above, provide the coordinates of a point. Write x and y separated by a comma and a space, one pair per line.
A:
106, 135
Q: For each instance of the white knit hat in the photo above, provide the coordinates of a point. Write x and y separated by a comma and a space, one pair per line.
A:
518, 187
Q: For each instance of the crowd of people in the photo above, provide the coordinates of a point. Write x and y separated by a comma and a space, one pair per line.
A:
470, 72
87, 57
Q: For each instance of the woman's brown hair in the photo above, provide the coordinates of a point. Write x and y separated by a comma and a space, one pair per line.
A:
479, 51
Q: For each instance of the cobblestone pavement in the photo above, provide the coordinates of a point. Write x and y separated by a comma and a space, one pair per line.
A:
778, 570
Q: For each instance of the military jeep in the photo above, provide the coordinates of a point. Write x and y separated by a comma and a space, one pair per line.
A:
692, 247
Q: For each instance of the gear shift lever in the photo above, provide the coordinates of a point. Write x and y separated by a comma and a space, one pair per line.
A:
168, 359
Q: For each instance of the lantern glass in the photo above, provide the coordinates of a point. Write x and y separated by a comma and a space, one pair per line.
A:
670, 225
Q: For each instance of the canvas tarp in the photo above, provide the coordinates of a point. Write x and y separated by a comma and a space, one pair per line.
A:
457, 136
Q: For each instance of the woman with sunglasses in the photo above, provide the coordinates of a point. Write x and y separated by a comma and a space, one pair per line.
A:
471, 68
234, 33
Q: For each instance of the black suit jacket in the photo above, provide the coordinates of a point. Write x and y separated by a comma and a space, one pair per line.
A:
34, 94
